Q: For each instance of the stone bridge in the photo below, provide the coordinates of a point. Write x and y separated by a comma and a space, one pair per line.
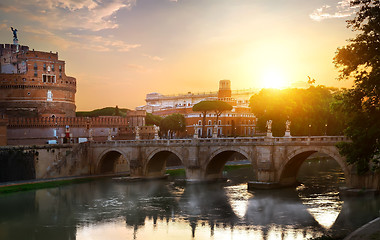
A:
274, 159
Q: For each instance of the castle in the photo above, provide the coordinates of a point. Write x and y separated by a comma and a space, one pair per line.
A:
34, 84
37, 102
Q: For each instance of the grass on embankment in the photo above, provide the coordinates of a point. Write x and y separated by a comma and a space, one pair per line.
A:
39, 185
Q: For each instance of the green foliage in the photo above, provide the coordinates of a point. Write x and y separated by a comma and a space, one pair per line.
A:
107, 111
211, 106
303, 107
151, 119
360, 60
216, 106
41, 184
175, 122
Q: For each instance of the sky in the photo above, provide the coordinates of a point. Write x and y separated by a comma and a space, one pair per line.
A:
121, 50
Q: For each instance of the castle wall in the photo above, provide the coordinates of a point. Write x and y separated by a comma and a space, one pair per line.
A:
39, 130
3, 130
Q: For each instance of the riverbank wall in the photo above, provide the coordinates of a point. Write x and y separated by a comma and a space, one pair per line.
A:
20, 163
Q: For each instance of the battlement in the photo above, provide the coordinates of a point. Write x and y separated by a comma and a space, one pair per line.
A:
13, 47
85, 122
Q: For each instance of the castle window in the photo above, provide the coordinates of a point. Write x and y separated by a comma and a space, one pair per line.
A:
28, 93
44, 66
35, 73
219, 122
52, 67
209, 122
35, 66
60, 75
48, 78
199, 122
60, 68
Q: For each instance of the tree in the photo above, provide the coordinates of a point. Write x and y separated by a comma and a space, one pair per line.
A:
175, 123
360, 60
204, 107
207, 106
303, 107
220, 107
151, 119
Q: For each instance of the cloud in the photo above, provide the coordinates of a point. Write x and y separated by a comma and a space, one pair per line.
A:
3, 26
90, 15
46, 35
136, 67
101, 43
155, 58
341, 10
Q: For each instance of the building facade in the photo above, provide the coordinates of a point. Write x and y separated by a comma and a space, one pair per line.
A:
237, 122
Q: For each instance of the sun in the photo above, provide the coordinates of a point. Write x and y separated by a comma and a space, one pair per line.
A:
273, 79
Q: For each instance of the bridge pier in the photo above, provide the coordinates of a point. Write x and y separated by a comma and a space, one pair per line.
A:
194, 174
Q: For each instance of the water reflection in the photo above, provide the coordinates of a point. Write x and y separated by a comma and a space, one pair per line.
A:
149, 210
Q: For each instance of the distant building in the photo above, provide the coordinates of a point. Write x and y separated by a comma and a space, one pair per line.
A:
237, 122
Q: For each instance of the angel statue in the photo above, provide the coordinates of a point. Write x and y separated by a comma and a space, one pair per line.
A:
288, 122
269, 125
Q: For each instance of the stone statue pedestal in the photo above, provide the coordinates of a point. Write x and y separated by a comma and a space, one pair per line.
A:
196, 127
215, 132
287, 134
156, 137
137, 130
269, 134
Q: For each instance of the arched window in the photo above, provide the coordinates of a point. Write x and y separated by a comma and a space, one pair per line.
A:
219, 122
199, 122
209, 122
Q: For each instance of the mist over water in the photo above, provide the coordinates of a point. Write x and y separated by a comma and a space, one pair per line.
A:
108, 209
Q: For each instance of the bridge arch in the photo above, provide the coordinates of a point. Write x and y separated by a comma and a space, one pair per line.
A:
218, 159
288, 170
112, 161
156, 161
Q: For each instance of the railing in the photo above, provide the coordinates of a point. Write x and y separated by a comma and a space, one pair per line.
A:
238, 140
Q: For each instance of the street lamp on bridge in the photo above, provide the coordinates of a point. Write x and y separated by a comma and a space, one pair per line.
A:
309, 130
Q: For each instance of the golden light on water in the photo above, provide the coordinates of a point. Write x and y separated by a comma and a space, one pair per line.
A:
238, 198
180, 229
325, 208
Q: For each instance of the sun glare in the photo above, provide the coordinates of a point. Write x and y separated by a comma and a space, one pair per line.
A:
273, 79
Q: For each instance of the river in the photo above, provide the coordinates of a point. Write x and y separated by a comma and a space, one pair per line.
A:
165, 209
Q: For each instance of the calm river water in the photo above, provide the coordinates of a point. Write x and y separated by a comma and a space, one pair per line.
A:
109, 209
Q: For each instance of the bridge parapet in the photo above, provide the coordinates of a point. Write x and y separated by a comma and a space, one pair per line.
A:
315, 140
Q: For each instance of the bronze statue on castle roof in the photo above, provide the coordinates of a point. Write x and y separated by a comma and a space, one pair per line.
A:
14, 32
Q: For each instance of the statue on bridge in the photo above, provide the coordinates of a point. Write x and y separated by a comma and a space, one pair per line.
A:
287, 130
269, 128
156, 130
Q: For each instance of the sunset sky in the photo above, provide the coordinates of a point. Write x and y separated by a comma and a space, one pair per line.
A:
120, 50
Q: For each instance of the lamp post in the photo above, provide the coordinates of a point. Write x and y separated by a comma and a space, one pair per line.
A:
326, 129
309, 129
